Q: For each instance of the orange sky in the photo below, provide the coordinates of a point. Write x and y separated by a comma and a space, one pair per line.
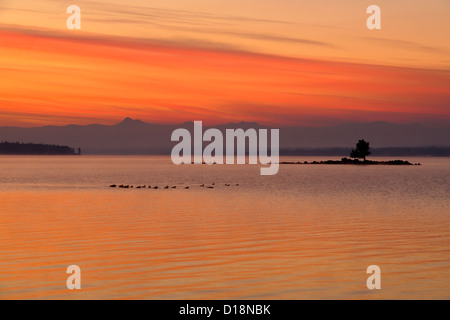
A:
223, 61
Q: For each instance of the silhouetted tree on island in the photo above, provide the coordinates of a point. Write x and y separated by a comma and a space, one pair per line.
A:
362, 150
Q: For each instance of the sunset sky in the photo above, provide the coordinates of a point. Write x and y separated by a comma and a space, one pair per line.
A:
282, 63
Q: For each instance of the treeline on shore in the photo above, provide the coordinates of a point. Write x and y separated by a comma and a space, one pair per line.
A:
18, 148
391, 151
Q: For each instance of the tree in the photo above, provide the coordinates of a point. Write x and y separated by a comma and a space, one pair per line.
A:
362, 150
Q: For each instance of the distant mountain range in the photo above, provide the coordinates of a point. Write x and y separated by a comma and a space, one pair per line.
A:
138, 137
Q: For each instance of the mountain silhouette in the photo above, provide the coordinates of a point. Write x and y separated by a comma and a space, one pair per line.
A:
132, 136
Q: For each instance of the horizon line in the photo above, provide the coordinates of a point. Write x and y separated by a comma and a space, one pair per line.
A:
136, 120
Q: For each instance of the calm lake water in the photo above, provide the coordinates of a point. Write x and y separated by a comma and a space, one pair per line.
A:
308, 232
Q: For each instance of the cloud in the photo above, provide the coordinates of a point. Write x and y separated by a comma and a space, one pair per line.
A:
261, 36
173, 15
407, 45
68, 75
183, 21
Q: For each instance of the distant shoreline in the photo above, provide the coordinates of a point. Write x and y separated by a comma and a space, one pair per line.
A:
35, 149
376, 152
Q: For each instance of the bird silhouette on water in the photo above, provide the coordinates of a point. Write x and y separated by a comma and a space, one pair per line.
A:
122, 186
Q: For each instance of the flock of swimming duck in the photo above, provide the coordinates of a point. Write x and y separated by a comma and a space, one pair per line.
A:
122, 186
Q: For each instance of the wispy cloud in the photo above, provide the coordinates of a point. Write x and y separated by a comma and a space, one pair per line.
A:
407, 45
112, 77
192, 22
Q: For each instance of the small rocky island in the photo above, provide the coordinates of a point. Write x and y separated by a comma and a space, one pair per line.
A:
17, 148
357, 161
361, 152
